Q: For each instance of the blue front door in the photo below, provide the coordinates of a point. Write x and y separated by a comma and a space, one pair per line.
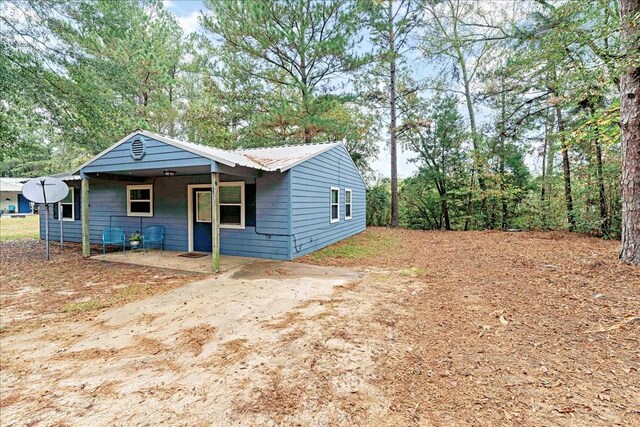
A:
23, 204
201, 220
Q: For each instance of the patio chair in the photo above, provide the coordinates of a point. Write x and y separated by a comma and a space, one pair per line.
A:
11, 209
113, 236
153, 235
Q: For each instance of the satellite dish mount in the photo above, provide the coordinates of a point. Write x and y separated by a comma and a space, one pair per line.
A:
46, 190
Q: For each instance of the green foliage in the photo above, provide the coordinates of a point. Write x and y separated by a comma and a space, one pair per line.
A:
79, 75
379, 203
295, 59
514, 94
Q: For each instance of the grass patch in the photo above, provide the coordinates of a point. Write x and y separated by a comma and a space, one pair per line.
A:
19, 228
364, 245
80, 307
132, 292
413, 271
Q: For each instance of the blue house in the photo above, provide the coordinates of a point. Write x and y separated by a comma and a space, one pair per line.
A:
278, 202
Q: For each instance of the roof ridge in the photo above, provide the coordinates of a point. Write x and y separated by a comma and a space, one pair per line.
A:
305, 144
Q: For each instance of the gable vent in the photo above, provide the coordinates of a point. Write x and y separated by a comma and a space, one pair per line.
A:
138, 148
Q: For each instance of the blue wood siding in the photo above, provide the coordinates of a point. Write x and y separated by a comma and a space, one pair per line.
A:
292, 208
159, 155
108, 207
270, 236
311, 184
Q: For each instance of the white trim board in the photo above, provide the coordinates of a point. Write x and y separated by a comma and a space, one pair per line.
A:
243, 205
190, 188
350, 191
331, 220
151, 195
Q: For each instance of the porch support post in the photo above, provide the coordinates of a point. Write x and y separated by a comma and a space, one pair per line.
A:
86, 241
215, 221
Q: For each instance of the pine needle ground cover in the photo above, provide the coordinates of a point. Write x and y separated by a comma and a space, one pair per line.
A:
495, 328
437, 328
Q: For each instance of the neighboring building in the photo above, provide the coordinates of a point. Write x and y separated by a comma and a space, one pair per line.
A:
278, 203
11, 198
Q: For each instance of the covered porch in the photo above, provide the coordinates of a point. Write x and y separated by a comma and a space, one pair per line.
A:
205, 199
176, 260
165, 197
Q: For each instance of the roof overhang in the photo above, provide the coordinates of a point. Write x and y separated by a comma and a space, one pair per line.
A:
269, 159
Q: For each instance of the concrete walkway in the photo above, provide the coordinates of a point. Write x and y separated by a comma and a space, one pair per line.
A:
173, 260
184, 357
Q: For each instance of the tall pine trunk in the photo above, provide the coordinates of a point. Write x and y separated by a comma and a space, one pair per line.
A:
630, 123
445, 214
604, 217
566, 169
392, 127
546, 154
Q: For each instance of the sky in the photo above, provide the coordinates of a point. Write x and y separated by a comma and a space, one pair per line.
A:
187, 12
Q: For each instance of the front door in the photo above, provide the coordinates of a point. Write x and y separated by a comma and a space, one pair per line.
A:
23, 204
201, 219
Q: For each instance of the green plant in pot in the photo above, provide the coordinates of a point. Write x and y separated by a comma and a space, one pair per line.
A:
135, 239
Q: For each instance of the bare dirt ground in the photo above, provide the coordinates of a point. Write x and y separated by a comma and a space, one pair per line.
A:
33, 290
452, 329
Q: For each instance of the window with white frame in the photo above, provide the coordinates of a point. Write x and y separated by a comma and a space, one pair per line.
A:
140, 200
335, 204
347, 203
67, 207
232, 207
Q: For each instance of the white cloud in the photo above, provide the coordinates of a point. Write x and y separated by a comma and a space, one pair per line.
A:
190, 22
168, 4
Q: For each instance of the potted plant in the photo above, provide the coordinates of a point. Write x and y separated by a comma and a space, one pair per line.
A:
135, 239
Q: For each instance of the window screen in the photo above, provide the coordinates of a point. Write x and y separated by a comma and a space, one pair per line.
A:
139, 200
335, 198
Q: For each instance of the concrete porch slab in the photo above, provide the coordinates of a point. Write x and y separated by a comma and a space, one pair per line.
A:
172, 260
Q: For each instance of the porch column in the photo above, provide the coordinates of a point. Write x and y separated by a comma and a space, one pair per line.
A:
86, 241
215, 221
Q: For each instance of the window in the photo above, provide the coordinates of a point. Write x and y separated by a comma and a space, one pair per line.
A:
203, 206
335, 206
66, 207
232, 204
140, 200
347, 203
249, 205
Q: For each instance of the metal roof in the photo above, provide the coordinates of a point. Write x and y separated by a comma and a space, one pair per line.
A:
11, 184
268, 159
66, 176
285, 157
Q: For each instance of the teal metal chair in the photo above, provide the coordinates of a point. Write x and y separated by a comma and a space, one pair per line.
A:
153, 235
113, 236
11, 209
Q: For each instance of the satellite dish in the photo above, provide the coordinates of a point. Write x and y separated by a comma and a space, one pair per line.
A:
45, 189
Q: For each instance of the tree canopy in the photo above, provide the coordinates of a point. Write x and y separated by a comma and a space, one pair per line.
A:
512, 115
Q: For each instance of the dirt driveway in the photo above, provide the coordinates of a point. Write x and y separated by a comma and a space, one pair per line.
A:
182, 357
